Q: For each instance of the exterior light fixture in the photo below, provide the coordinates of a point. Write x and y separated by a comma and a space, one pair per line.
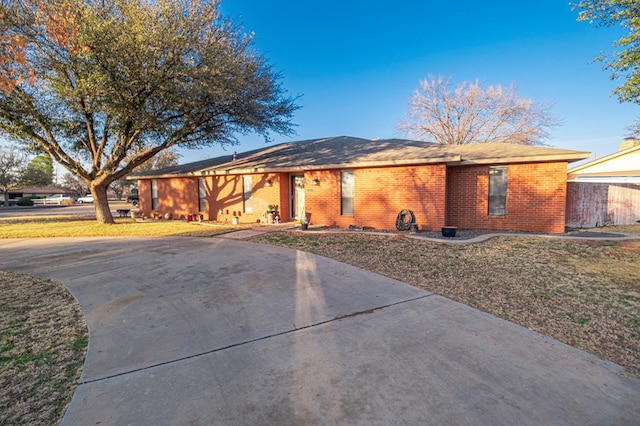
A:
268, 182
316, 181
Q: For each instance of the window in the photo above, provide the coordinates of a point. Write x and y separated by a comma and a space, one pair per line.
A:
497, 191
154, 194
347, 191
248, 188
202, 195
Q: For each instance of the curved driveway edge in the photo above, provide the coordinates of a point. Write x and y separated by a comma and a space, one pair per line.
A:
319, 229
217, 331
486, 237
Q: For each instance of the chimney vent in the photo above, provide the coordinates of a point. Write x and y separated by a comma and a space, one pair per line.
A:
629, 142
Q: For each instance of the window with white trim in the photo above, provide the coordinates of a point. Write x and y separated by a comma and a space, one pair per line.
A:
247, 186
154, 194
347, 193
497, 191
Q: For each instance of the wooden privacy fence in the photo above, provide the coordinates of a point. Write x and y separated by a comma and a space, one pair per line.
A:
593, 204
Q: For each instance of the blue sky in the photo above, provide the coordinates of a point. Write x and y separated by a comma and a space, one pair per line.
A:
357, 63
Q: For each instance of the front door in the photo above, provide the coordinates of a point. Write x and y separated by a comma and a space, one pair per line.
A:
297, 197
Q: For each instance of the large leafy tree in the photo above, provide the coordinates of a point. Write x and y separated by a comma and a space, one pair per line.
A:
104, 85
39, 171
624, 61
469, 113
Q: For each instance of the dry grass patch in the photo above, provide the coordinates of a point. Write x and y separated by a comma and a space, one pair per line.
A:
86, 226
43, 345
583, 293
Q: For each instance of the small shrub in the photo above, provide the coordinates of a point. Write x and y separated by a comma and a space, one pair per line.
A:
25, 201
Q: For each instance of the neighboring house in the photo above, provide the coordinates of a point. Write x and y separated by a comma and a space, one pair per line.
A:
38, 191
606, 191
344, 181
33, 191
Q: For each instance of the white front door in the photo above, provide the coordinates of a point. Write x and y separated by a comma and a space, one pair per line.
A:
297, 197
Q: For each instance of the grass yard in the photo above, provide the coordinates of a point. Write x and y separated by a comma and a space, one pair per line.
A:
43, 338
78, 226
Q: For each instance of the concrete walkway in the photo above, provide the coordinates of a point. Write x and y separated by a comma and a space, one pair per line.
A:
220, 331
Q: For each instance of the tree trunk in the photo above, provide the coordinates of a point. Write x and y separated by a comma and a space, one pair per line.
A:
5, 196
101, 204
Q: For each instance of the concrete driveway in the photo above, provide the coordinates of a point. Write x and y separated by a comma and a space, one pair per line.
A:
219, 331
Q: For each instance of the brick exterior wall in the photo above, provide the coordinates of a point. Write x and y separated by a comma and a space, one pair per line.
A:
177, 196
144, 197
437, 195
380, 194
536, 197
225, 197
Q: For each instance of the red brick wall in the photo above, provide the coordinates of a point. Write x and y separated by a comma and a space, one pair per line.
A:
230, 199
177, 196
282, 198
438, 196
144, 195
536, 197
322, 201
380, 194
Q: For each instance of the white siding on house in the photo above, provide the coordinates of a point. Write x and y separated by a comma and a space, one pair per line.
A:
621, 163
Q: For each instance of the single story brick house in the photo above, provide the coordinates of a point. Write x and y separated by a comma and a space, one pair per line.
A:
342, 181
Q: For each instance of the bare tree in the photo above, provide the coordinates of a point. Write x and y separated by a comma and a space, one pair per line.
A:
469, 113
75, 184
12, 167
164, 159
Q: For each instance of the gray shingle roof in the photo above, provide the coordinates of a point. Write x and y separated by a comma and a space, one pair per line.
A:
350, 152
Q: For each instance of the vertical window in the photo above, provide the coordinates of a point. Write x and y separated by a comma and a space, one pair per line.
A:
248, 189
497, 191
154, 194
202, 195
346, 191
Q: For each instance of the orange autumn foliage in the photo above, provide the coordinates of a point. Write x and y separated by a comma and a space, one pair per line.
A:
60, 25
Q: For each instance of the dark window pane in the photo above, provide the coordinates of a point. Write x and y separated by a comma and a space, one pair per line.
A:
154, 194
202, 195
497, 191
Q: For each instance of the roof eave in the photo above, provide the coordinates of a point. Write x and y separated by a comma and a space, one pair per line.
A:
162, 176
333, 166
629, 173
604, 159
526, 159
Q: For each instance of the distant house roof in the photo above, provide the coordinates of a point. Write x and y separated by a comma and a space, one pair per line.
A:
621, 164
350, 152
40, 190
